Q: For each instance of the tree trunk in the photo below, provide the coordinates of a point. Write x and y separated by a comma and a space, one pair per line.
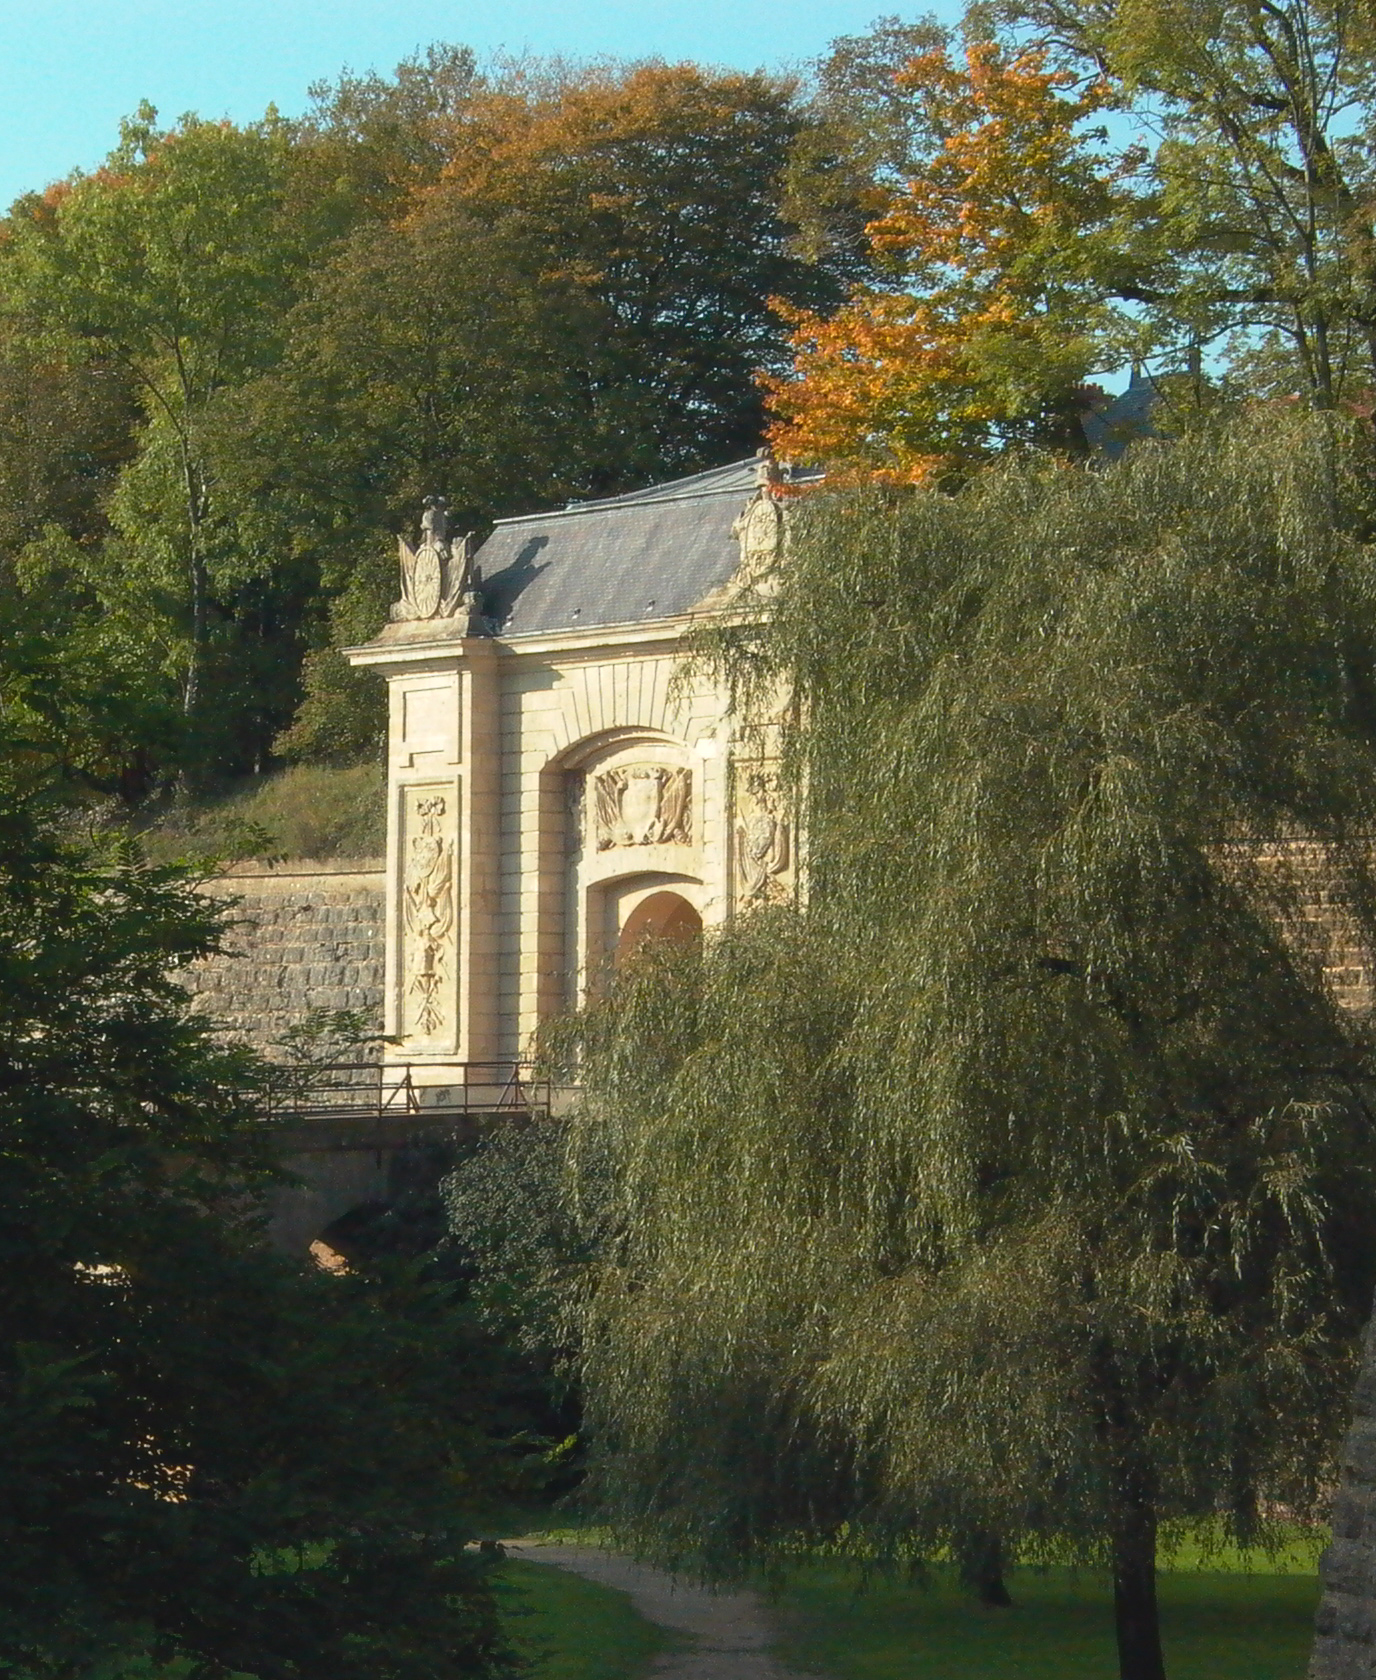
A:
981, 1569
1136, 1621
192, 687
193, 482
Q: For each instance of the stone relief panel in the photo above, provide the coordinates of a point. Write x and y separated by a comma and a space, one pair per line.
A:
428, 944
643, 805
575, 809
762, 838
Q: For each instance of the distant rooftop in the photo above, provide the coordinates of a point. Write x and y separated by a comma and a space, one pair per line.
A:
1123, 419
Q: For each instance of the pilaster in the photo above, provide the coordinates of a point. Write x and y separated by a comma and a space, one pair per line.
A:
479, 865
442, 851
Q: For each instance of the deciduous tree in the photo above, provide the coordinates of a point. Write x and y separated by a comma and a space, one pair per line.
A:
1263, 116
214, 1461
999, 260
174, 265
657, 190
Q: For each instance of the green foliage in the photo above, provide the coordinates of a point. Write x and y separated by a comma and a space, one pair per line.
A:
1260, 200
213, 1461
343, 712
1193, 188
607, 173
386, 136
171, 270
1023, 1180
79, 697
509, 1213
66, 428
525, 1253
235, 358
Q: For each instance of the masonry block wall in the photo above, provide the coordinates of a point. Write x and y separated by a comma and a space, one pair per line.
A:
1345, 1645
306, 936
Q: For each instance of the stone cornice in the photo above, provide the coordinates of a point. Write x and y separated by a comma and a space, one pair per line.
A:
605, 640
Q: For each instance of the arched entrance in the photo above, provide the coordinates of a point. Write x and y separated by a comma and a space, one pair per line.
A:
663, 915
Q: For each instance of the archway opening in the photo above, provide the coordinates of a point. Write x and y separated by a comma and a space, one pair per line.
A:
663, 915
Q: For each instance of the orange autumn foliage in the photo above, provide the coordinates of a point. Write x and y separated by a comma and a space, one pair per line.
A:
999, 250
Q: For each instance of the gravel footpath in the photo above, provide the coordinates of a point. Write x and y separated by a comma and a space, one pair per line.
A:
728, 1634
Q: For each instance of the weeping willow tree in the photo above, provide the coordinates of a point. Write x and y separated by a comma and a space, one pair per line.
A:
1021, 1181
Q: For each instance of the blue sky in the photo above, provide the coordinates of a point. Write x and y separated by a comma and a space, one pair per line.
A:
69, 69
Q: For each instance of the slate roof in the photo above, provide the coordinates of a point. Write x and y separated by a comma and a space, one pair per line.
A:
630, 559
1128, 417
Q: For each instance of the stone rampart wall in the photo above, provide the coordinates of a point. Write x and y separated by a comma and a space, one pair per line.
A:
1321, 922
1344, 1646
305, 937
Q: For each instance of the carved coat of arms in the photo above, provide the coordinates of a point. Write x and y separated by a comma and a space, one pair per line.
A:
644, 805
759, 527
428, 907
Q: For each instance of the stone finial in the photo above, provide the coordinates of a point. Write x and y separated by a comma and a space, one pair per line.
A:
759, 527
767, 470
434, 522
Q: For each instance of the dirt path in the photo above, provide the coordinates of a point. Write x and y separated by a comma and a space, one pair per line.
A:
730, 1633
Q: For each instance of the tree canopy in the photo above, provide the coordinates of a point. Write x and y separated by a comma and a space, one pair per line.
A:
1096, 184
518, 286
217, 1460
996, 258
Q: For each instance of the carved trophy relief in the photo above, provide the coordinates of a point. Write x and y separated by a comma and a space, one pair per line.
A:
762, 840
428, 916
437, 576
643, 805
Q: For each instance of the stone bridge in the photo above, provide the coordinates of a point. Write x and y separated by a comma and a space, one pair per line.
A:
352, 1133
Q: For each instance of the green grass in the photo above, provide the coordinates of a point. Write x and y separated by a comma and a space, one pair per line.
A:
1217, 1624
306, 811
572, 1629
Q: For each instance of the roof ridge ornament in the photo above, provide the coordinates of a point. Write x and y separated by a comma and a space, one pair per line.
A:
437, 579
759, 529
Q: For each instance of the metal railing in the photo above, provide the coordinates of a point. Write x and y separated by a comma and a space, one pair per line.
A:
427, 1091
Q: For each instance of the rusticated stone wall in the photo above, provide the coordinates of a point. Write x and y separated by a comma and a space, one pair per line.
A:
306, 936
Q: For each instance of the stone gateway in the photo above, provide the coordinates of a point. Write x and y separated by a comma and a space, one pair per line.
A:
561, 783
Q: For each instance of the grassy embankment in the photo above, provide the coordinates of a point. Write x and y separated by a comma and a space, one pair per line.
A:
307, 811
